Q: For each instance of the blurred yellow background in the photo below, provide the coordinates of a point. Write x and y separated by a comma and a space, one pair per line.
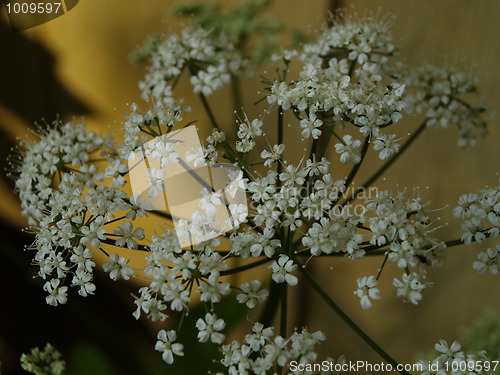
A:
91, 45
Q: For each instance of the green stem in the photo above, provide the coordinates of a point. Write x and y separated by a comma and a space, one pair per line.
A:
231, 155
111, 242
336, 135
280, 141
351, 68
181, 320
324, 143
162, 214
388, 163
314, 150
283, 314
177, 79
348, 320
115, 220
382, 266
314, 147
245, 267
237, 102
456, 242
209, 111
279, 167
284, 309
459, 241
356, 167
340, 254
271, 305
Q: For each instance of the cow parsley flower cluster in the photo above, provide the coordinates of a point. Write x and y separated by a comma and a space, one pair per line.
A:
262, 351
222, 206
406, 228
480, 213
211, 59
46, 361
439, 93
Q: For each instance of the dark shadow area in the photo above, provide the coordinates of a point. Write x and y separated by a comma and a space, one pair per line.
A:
29, 87
105, 320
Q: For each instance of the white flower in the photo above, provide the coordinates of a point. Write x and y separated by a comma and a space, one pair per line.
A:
482, 212
53, 150
409, 227
137, 207
167, 345
210, 80
142, 302
451, 356
440, 95
127, 235
410, 287
57, 294
252, 294
238, 183
282, 269
293, 175
245, 145
209, 329
212, 264
239, 213
273, 156
93, 233
350, 151
278, 351
209, 201
448, 351
118, 267
184, 264
171, 54
175, 291
473, 230
164, 150
259, 337
250, 129
366, 290
315, 168
155, 181
488, 260
83, 258
265, 243
196, 156
465, 205
311, 126
212, 289
83, 280
387, 145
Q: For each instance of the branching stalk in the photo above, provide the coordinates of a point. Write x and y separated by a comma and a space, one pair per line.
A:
388, 163
348, 320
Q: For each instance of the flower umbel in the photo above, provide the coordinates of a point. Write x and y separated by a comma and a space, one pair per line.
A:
342, 99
